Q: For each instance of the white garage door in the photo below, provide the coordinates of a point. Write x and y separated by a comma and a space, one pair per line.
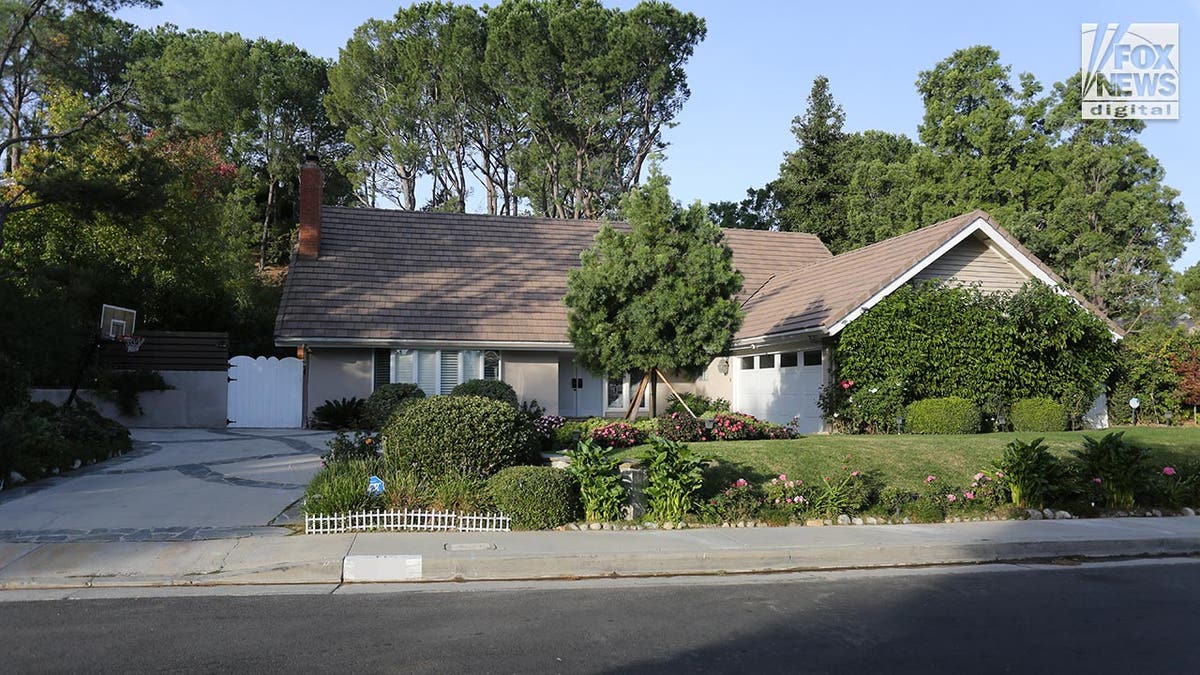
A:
779, 387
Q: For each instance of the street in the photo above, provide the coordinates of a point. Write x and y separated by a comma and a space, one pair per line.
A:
1135, 616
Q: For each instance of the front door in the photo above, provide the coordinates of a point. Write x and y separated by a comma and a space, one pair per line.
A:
580, 394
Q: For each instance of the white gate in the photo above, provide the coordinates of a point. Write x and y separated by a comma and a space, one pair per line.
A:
266, 392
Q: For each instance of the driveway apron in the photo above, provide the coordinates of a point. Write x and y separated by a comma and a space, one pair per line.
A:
177, 484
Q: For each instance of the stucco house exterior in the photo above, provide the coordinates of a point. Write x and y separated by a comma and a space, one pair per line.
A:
376, 296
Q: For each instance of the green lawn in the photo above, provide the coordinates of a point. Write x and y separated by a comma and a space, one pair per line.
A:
905, 460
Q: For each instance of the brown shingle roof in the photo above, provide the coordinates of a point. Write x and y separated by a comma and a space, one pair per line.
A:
402, 275
817, 297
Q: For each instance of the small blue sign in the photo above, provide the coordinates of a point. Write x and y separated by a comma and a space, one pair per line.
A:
375, 486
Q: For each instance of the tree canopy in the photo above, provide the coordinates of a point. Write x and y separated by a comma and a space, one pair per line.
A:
1084, 195
658, 294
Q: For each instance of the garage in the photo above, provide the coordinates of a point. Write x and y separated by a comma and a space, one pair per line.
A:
781, 386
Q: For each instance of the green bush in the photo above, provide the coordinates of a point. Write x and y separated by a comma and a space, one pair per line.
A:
14, 383
341, 487
1119, 468
619, 435
362, 446
699, 404
1039, 415
740, 500
1029, 472
951, 415
535, 497
39, 439
385, 400
493, 389
674, 477
568, 435
346, 413
599, 479
679, 426
468, 436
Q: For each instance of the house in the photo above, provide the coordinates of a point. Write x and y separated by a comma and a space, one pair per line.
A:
376, 296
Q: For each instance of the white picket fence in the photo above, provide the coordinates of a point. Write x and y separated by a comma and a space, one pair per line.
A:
406, 521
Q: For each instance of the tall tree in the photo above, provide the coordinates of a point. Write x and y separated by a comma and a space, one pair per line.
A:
51, 47
657, 296
812, 180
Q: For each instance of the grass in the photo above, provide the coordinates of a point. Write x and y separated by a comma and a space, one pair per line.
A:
905, 460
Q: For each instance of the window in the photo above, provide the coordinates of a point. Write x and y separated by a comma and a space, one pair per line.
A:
439, 371
766, 361
491, 365
747, 363
787, 360
812, 358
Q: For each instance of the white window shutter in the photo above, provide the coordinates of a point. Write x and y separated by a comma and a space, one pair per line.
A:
402, 366
450, 376
472, 365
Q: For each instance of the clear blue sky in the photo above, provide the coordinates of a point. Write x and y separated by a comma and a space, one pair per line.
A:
750, 77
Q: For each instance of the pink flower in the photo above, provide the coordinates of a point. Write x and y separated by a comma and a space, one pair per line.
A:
951, 498
854, 473
999, 475
846, 384
1097, 481
782, 476
741, 482
1168, 471
930, 478
979, 476
969, 495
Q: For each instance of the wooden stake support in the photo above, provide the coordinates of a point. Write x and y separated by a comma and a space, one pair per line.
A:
677, 396
631, 411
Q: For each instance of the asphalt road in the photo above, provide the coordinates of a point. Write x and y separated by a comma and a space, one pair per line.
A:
1129, 618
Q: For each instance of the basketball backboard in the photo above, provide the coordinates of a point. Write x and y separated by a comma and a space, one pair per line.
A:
116, 321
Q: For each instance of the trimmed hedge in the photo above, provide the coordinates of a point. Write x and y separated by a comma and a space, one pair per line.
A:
493, 389
385, 400
536, 497
468, 436
951, 415
1038, 414
38, 438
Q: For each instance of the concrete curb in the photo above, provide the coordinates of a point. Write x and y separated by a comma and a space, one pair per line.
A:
433, 557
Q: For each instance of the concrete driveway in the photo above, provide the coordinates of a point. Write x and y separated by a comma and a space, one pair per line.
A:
178, 484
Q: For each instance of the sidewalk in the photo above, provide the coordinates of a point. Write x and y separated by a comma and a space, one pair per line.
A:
388, 557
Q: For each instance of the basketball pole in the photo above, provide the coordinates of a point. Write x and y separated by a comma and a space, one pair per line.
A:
84, 362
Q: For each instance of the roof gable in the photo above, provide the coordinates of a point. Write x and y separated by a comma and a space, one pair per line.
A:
825, 297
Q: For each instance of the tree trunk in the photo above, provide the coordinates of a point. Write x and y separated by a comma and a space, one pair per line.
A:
266, 230
654, 392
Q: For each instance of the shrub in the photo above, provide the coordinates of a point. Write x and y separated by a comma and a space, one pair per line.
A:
362, 446
674, 475
385, 400
39, 438
618, 435
699, 404
14, 383
791, 495
895, 500
567, 435
497, 390
1028, 471
1038, 414
341, 487
535, 497
952, 415
1118, 467
464, 494
123, 386
679, 426
741, 427
1175, 486
852, 492
599, 477
346, 413
545, 428
740, 501
467, 436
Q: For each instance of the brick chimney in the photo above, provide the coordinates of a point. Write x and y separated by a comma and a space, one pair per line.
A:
312, 181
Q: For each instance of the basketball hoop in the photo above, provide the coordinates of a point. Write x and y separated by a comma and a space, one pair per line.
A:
132, 342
